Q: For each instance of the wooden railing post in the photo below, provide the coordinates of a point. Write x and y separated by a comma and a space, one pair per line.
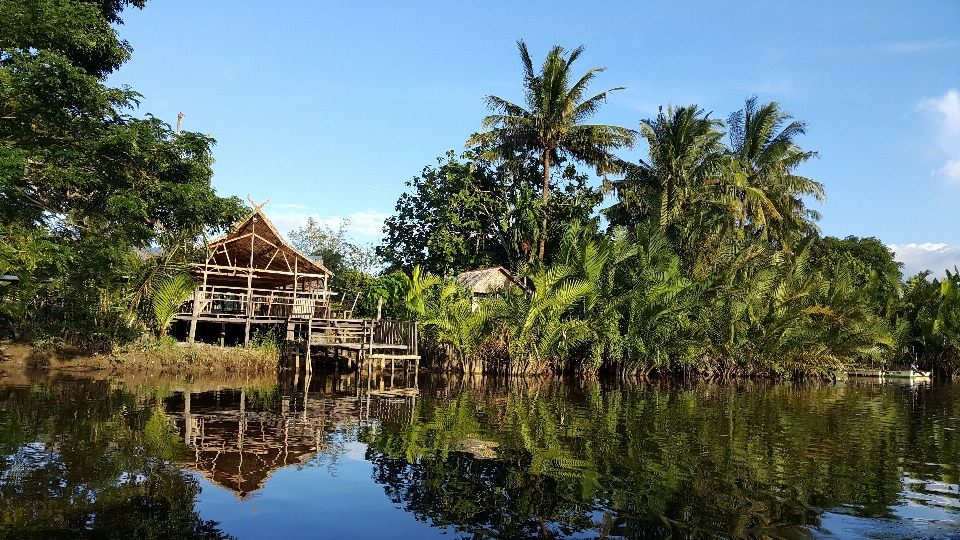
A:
194, 317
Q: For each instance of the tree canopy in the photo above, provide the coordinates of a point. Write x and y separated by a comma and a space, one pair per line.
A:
83, 181
553, 123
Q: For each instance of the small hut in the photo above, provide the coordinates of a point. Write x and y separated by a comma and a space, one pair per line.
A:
253, 276
487, 280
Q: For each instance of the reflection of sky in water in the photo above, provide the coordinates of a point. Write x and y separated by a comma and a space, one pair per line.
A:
310, 502
867, 460
927, 508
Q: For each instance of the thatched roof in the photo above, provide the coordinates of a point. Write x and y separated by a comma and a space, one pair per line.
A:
487, 280
277, 261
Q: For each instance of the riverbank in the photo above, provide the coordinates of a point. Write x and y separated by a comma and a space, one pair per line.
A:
163, 358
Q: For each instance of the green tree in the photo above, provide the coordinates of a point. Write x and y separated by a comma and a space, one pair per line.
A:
467, 213
873, 263
168, 295
339, 254
931, 312
79, 174
552, 124
764, 157
680, 186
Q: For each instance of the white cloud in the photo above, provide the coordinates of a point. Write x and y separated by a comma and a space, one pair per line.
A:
919, 46
356, 451
364, 226
947, 111
926, 256
369, 223
288, 221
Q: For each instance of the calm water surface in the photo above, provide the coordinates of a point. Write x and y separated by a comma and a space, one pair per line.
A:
472, 459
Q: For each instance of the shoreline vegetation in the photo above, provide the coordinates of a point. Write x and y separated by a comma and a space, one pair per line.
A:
152, 359
703, 259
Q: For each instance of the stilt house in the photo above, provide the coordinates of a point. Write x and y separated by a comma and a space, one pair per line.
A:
253, 276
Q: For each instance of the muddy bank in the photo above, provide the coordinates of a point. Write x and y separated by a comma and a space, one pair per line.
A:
141, 364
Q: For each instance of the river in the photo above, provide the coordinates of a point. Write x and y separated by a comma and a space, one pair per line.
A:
340, 456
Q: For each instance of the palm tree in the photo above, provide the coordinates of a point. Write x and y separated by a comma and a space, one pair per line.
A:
681, 186
552, 125
168, 295
764, 156
686, 157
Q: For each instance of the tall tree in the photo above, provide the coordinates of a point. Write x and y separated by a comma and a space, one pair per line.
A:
681, 185
764, 157
81, 178
552, 124
467, 213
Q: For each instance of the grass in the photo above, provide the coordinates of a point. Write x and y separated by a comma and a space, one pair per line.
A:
166, 354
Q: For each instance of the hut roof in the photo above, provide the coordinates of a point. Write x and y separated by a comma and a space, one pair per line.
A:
255, 242
486, 280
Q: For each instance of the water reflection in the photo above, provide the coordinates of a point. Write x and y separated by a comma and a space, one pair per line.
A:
86, 461
482, 458
238, 438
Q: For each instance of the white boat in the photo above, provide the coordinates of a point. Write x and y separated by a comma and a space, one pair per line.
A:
910, 373
865, 372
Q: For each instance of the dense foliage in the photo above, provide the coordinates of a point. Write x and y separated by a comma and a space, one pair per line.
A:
709, 260
84, 184
703, 257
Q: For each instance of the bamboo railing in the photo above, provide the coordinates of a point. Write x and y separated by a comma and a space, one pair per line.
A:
237, 302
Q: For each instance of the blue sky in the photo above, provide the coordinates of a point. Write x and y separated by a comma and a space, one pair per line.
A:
329, 107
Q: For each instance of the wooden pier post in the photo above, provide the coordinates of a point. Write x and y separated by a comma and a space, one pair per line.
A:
195, 315
307, 346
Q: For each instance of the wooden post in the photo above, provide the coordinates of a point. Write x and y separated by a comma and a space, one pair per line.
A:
197, 302
187, 419
223, 333
370, 342
249, 310
194, 317
416, 339
307, 346
379, 307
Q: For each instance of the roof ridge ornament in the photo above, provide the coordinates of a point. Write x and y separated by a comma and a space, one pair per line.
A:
257, 207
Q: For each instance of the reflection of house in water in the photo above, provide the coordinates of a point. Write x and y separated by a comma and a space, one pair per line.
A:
240, 438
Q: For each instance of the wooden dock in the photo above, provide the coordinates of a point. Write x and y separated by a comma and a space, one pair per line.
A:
368, 340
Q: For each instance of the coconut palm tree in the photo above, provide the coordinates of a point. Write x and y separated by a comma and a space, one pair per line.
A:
682, 185
686, 159
764, 156
552, 123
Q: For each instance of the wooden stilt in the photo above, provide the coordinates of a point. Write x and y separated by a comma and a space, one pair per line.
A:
307, 347
193, 319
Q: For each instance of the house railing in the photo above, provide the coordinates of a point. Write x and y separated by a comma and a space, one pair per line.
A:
236, 302
365, 333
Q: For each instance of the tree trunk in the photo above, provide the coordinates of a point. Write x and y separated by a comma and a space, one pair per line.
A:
546, 196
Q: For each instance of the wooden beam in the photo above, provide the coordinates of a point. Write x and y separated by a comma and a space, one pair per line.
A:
234, 239
241, 237
225, 252
263, 270
272, 258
